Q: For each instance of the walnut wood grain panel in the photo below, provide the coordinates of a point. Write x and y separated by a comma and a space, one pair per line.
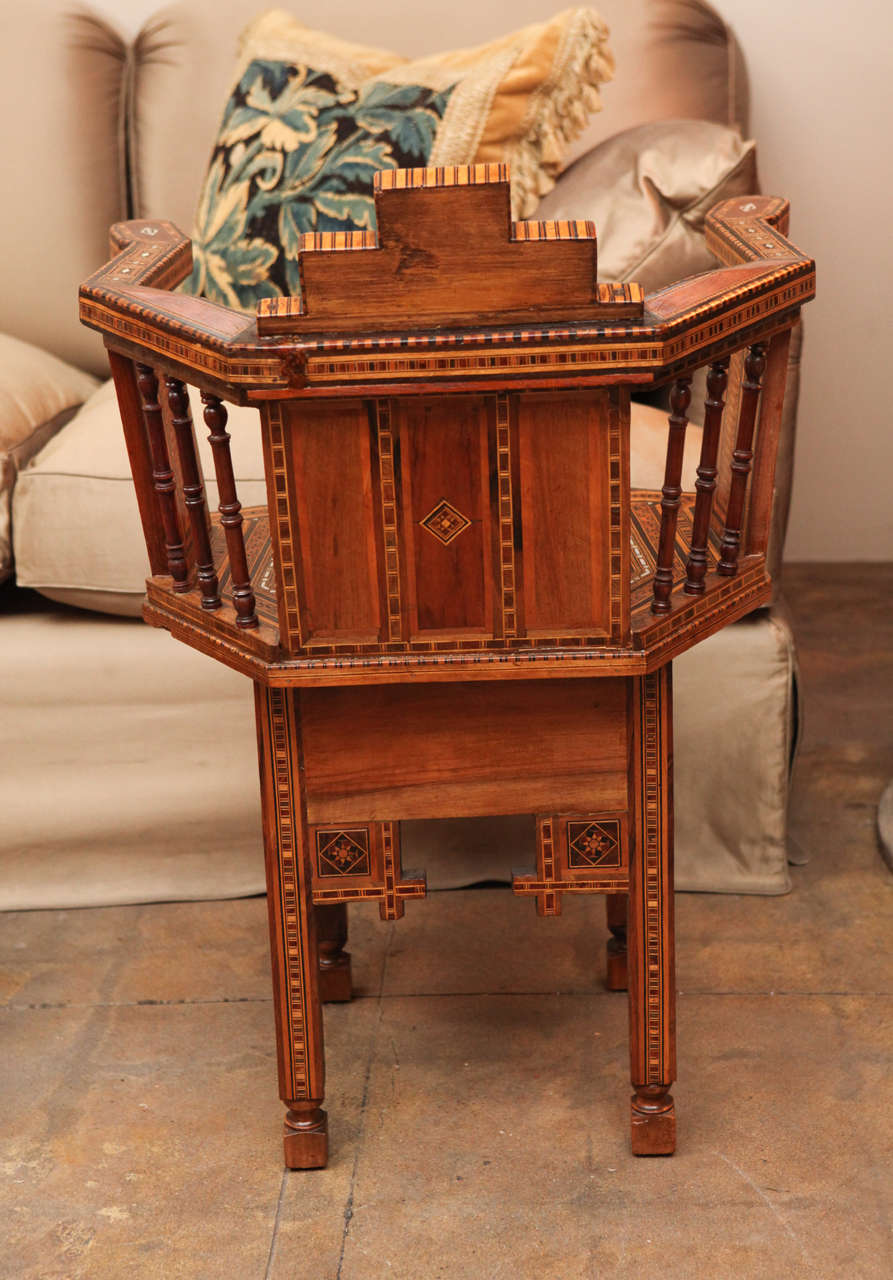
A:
563, 443
446, 253
431, 751
332, 474
444, 469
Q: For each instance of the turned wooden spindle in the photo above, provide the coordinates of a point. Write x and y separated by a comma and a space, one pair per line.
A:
193, 491
163, 477
705, 484
230, 508
671, 494
617, 912
754, 366
334, 961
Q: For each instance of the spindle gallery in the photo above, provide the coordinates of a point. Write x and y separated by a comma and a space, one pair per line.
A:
453, 604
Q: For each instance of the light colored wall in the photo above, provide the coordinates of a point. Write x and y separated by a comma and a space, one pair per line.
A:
822, 113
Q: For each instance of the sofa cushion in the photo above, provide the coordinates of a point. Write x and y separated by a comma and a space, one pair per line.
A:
63, 76
648, 191
38, 395
131, 822
675, 58
310, 119
78, 537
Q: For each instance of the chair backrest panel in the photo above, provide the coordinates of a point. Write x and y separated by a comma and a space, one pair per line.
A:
455, 498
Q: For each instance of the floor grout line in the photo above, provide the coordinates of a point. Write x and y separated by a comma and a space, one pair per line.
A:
775, 993
361, 1129
134, 1004
274, 1239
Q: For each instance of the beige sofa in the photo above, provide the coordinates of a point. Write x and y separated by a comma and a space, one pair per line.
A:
113, 732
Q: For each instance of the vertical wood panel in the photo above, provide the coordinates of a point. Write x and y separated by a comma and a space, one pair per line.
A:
445, 478
565, 512
758, 519
332, 474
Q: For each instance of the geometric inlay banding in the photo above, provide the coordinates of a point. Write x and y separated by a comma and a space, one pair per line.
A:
593, 844
445, 522
342, 853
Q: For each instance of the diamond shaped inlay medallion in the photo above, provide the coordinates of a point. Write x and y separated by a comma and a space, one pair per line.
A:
445, 522
593, 844
342, 853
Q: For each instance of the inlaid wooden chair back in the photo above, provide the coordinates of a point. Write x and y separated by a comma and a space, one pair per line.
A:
445, 415
516, 358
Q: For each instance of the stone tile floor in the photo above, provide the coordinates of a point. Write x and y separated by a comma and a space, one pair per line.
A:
478, 1097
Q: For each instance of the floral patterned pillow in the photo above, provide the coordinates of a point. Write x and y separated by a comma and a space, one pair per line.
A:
296, 153
311, 118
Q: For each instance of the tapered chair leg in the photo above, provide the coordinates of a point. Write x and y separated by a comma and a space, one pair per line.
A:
294, 944
334, 962
652, 991
616, 910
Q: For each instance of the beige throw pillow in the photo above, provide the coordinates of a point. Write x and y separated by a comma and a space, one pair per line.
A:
648, 190
311, 118
38, 394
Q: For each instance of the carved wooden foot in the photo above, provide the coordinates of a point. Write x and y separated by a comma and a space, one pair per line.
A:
306, 1136
334, 962
335, 986
653, 1121
616, 907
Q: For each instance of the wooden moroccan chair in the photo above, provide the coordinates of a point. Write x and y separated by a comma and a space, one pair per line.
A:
452, 604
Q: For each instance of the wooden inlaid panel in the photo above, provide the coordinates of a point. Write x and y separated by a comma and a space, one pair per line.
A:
332, 476
431, 750
583, 853
564, 452
446, 520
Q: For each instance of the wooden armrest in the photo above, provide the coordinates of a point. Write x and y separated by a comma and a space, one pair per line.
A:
341, 331
764, 271
130, 302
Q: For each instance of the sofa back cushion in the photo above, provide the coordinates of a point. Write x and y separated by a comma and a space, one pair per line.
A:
63, 76
675, 58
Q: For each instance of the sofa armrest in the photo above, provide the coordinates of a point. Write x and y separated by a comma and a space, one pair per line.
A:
39, 393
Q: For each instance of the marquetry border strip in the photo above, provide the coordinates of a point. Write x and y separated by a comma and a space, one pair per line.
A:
685, 609
444, 175
553, 229
279, 715
389, 526
615, 533
409, 360
506, 518
623, 293
215, 356
653, 855
281, 525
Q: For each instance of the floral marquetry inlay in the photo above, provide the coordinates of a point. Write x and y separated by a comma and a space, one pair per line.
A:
445, 522
342, 853
593, 844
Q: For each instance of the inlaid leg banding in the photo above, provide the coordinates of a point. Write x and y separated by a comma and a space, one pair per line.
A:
294, 945
652, 991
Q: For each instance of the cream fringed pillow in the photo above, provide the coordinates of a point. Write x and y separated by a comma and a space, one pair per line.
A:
311, 118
